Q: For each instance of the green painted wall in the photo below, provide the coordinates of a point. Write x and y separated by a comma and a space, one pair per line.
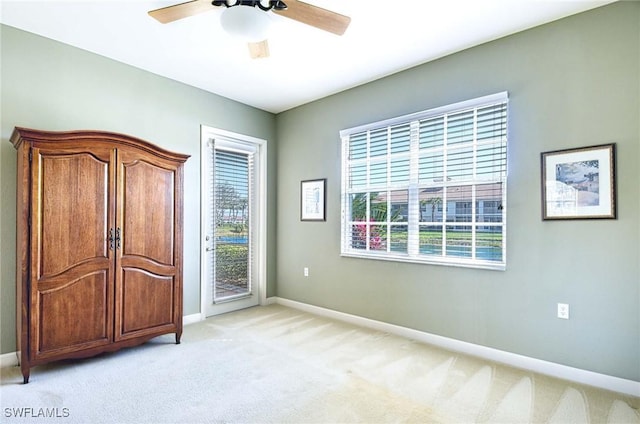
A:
573, 82
52, 86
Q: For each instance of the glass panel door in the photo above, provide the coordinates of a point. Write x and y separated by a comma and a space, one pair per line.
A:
230, 233
231, 215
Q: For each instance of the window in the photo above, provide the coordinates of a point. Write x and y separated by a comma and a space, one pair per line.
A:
428, 187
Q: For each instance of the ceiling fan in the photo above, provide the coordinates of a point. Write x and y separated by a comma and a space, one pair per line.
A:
248, 18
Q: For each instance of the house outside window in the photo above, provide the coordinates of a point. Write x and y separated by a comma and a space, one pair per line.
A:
429, 187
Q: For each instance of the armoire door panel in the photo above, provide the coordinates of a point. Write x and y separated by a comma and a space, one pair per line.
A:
74, 314
72, 211
145, 300
148, 215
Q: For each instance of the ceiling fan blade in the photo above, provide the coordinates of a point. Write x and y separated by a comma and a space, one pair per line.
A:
180, 11
315, 16
259, 50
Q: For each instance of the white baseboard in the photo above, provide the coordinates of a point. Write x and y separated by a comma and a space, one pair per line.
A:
192, 319
8, 359
270, 301
564, 372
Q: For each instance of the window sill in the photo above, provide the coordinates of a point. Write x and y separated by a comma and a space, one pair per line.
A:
475, 264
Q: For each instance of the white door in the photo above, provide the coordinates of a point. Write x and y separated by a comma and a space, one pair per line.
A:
233, 217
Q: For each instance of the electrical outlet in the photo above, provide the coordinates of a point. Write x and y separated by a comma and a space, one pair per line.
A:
563, 310
306, 271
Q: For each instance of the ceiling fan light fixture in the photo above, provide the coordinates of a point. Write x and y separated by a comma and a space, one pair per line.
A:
246, 22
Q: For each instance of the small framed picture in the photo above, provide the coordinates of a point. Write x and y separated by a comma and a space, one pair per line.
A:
579, 183
312, 200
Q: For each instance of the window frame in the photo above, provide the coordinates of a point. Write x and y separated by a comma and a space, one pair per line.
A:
414, 222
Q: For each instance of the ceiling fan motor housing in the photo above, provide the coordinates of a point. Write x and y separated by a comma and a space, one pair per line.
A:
273, 4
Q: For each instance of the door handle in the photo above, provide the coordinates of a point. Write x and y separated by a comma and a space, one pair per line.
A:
118, 238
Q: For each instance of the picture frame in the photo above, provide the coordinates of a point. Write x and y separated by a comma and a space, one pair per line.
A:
579, 183
312, 200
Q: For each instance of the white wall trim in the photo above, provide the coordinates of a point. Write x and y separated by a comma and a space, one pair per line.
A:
576, 375
270, 301
192, 319
8, 360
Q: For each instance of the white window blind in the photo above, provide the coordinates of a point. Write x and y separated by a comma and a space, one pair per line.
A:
428, 187
231, 202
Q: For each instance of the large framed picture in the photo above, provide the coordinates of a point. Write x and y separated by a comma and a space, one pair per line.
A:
579, 183
312, 200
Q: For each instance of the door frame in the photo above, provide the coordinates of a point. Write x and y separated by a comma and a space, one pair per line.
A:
260, 285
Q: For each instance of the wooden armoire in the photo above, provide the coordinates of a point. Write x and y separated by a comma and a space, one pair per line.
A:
99, 239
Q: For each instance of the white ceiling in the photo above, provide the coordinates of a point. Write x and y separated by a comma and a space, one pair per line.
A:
305, 63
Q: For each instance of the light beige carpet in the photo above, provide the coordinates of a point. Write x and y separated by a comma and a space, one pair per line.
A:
279, 365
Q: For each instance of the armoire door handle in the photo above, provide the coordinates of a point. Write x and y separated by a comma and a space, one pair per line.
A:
118, 238
111, 239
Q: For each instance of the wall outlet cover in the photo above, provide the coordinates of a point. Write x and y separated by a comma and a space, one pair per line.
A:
563, 310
